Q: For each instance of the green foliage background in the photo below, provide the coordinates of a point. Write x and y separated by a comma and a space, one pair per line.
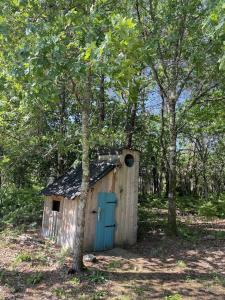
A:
20, 207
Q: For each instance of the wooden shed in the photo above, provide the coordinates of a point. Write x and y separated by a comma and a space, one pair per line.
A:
111, 211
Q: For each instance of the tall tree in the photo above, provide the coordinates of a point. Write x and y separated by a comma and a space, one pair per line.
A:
176, 50
79, 240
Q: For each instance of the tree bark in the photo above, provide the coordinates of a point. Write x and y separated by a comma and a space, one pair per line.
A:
1, 156
172, 225
78, 265
102, 99
131, 124
205, 181
62, 130
163, 159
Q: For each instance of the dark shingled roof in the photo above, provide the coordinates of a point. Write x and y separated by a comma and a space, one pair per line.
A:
69, 184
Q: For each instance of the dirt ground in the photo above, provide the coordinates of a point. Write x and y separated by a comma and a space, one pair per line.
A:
157, 267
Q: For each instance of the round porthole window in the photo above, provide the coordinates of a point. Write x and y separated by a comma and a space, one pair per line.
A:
129, 160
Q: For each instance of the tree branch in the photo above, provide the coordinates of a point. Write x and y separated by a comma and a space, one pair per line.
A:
184, 82
197, 98
158, 80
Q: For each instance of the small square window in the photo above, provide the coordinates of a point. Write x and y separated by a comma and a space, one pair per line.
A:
56, 205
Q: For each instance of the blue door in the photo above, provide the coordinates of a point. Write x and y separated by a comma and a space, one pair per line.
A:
105, 224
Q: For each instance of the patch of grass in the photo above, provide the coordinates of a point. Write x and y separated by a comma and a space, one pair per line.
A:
114, 264
41, 258
157, 252
60, 293
181, 264
10, 233
62, 255
219, 234
2, 276
218, 278
174, 297
74, 281
10, 281
138, 290
99, 295
189, 278
34, 278
97, 277
35, 258
23, 257
188, 233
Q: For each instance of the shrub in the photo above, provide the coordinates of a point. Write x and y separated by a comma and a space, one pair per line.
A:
20, 206
152, 201
189, 233
208, 209
34, 278
214, 207
97, 277
188, 204
23, 257
221, 206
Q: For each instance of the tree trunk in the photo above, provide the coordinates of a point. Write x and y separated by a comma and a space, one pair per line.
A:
167, 182
172, 226
155, 175
102, 99
131, 124
205, 182
78, 265
62, 130
195, 180
163, 160
1, 156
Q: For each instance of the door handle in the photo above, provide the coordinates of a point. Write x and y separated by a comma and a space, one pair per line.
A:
99, 213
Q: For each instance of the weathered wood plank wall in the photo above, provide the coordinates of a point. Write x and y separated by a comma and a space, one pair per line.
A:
127, 193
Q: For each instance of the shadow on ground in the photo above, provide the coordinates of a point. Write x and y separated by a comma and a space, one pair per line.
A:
192, 266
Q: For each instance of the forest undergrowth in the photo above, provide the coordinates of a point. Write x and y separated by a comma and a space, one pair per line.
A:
190, 265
